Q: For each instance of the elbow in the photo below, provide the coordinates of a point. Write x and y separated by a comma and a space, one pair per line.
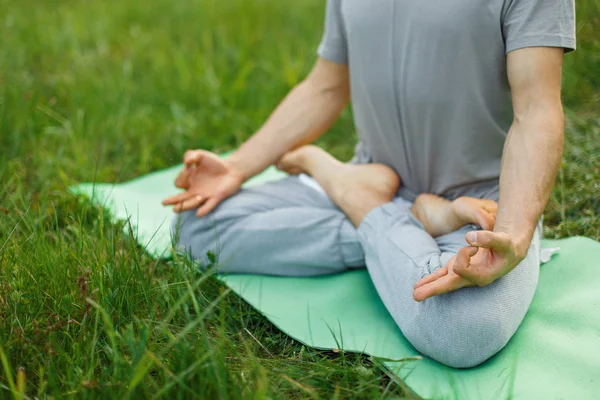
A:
335, 93
331, 94
328, 81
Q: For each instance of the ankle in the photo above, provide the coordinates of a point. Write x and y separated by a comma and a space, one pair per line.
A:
317, 160
357, 205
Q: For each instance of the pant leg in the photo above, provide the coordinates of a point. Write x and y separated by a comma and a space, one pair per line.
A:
287, 228
279, 228
462, 328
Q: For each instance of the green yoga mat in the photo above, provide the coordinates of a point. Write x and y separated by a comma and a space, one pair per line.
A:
555, 354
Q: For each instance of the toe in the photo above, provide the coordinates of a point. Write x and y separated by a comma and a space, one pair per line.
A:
490, 206
485, 219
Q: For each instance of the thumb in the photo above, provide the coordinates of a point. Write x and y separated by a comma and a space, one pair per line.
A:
192, 157
488, 240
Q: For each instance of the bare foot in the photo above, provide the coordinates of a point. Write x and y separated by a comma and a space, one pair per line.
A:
440, 216
356, 189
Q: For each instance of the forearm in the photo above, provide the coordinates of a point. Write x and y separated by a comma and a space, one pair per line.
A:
530, 162
304, 115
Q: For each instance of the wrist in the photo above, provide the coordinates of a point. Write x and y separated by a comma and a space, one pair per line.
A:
521, 247
236, 169
520, 241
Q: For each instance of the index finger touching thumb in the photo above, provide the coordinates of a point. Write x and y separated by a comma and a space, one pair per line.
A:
192, 157
463, 257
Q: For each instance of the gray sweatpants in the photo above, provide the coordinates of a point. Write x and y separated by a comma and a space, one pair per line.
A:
288, 228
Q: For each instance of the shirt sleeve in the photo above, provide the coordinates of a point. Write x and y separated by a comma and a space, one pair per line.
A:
333, 44
539, 23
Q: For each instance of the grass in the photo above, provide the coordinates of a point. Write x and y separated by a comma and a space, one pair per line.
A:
107, 91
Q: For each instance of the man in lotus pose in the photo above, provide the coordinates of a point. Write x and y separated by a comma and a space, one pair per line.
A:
457, 105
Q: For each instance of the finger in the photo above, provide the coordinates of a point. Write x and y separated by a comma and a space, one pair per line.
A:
192, 157
189, 204
178, 198
473, 275
443, 285
464, 269
182, 180
432, 277
485, 219
488, 240
463, 257
207, 207
478, 276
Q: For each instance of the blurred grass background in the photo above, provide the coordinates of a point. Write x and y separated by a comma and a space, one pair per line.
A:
107, 91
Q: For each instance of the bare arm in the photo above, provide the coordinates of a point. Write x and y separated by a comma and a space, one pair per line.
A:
304, 115
530, 162
533, 148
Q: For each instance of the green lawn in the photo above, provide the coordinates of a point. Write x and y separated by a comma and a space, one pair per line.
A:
107, 91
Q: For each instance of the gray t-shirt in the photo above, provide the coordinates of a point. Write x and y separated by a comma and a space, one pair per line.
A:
430, 92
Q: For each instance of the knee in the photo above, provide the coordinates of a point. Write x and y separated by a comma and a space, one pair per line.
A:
459, 342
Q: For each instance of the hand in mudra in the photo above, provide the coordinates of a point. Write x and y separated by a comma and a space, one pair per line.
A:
489, 257
207, 180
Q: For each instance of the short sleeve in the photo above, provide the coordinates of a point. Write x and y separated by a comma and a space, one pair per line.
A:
539, 23
333, 44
